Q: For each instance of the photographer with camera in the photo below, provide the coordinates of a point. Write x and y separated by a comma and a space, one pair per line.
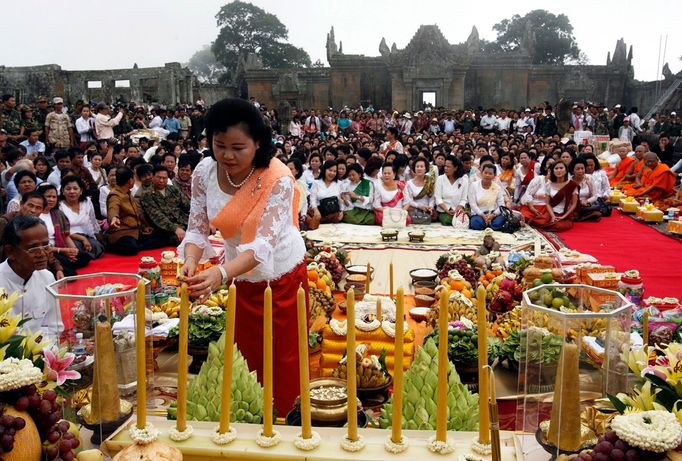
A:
104, 123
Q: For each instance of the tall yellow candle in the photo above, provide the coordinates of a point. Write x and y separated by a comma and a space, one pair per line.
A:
141, 359
645, 328
379, 314
484, 411
369, 276
390, 279
351, 383
442, 390
396, 424
304, 373
181, 423
226, 389
267, 362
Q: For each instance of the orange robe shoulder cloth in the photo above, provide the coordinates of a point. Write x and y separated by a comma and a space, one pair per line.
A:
243, 213
245, 209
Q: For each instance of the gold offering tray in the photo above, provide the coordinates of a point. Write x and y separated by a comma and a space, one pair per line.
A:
200, 447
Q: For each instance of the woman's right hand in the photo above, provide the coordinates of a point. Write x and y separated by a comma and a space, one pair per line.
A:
189, 268
86, 245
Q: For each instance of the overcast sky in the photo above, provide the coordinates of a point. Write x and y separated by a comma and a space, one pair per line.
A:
96, 34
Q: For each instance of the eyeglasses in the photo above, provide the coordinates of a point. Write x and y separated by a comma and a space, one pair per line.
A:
36, 251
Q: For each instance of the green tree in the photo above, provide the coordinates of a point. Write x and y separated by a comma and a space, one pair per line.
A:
206, 67
548, 37
246, 28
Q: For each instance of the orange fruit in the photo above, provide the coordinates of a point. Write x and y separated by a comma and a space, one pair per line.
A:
489, 275
321, 284
497, 272
467, 294
313, 275
456, 285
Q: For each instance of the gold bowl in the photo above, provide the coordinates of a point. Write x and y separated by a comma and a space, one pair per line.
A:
329, 411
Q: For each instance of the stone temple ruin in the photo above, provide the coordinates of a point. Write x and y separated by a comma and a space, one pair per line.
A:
429, 67
456, 76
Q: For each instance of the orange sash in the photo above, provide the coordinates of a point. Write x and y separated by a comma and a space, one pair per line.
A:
621, 169
245, 209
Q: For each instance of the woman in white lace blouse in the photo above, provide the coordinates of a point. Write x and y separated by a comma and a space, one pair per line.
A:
252, 199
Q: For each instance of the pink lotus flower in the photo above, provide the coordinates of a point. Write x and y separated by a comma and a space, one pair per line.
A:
58, 366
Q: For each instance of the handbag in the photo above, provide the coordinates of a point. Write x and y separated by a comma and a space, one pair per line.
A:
511, 222
329, 205
604, 207
460, 221
420, 216
394, 218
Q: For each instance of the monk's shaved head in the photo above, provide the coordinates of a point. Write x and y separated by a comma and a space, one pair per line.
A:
651, 156
650, 160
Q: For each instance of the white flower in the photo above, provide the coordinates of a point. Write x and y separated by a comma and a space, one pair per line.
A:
15, 374
224, 438
143, 436
353, 445
307, 444
395, 448
468, 324
442, 448
179, 436
653, 430
268, 442
484, 449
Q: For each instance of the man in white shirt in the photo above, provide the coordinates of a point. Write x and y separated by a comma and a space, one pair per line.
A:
33, 145
488, 121
449, 124
406, 123
503, 122
104, 124
26, 245
157, 120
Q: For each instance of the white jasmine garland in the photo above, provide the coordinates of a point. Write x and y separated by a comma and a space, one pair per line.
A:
442, 448
469, 457
268, 442
389, 328
338, 327
178, 436
307, 444
484, 449
15, 374
367, 327
353, 446
143, 436
395, 448
224, 438
653, 430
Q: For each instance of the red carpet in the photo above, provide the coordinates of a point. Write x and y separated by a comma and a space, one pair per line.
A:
115, 263
627, 244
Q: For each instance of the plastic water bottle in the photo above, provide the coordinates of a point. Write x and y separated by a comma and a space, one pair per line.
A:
79, 347
646, 202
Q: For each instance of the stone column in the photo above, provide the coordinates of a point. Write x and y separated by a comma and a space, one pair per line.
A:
173, 92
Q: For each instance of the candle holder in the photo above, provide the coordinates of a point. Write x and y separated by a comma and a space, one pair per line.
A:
574, 345
101, 306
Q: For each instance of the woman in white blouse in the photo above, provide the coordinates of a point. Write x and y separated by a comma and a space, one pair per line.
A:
451, 191
80, 212
295, 127
358, 198
588, 207
419, 193
485, 199
325, 196
600, 180
388, 193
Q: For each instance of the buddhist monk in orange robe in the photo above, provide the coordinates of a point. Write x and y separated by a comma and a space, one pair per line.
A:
619, 172
657, 182
635, 167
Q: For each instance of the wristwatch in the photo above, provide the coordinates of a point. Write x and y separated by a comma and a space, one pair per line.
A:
223, 274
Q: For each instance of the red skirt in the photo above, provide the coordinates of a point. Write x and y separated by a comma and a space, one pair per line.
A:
249, 332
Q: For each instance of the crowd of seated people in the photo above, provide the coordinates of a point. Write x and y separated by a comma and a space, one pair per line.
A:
107, 191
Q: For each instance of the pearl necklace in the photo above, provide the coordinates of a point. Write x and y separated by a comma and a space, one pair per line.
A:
237, 186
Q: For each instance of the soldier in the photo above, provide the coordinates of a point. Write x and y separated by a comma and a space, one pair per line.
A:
58, 127
43, 110
11, 119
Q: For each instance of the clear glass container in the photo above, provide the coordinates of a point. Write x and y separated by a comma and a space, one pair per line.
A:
98, 312
591, 326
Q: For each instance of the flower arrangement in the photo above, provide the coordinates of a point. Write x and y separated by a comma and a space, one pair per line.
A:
206, 324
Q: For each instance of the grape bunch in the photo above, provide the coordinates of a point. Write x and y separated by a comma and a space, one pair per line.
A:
9, 425
611, 448
333, 266
61, 443
460, 266
43, 408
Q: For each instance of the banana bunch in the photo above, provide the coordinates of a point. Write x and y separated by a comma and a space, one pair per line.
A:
507, 322
458, 306
321, 303
203, 401
588, 327
419, 396
368, 375
217, 299
171, 308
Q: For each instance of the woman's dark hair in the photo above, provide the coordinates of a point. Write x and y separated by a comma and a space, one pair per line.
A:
42, 159
227, 113
400, 161
185, 160
372, 165
354, 167
543, 165
489, 166
457, 163
77, 180
298, 166
486, 158
592, 157
552, 176
46, 186
21, 175
393, 167
325, 166
91, 155
313, 155
394, 131
577, 161
345, 173
423, 160
511, 160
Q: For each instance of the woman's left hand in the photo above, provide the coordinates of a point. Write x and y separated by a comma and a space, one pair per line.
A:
86, 245
205, 282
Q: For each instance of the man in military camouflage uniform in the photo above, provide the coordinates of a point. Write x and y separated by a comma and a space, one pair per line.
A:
58, 127
42, 111
166, 208
11, 118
